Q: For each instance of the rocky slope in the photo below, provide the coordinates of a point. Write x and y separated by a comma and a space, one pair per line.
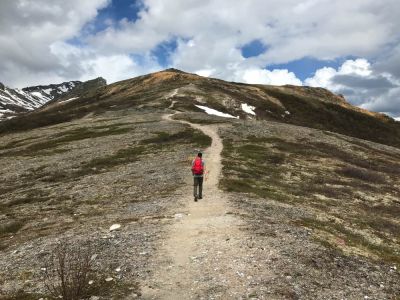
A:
314, 212
15, 101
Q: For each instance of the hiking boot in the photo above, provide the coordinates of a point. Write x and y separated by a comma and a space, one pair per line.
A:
200, 197
195, 198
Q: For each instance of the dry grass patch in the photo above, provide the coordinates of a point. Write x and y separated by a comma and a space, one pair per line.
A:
361, 174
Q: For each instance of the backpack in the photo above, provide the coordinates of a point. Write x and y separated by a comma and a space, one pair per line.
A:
197, 167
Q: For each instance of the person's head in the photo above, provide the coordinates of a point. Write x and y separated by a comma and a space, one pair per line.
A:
199, 154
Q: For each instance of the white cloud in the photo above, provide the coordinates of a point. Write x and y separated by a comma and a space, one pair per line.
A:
359, 67
274, 77
112, 67
324, 77
361, 85
29, 28
388, 102
205, 72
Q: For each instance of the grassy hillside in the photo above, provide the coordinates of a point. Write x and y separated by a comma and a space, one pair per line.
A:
346, 189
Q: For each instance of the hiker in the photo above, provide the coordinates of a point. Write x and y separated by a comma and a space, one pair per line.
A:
198, 169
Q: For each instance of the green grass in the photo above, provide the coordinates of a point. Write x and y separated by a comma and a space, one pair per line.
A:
384, 251
122, 156
188, 136
31, 196
93, 166
200, 119
65, 137
15, 144
22, 295
361, 174
260, 166
162, 141
10, 227
311, 112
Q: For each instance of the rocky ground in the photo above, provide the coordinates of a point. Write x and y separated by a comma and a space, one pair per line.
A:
73, 182
297, 214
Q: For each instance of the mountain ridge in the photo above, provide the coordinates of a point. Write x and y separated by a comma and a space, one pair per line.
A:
16, 101
304, 106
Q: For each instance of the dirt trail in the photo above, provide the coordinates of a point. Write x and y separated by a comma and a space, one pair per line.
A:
202, 255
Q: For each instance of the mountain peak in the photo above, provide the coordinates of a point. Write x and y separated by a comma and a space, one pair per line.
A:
174, 71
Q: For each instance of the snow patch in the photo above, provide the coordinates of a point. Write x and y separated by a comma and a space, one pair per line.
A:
40, 95
397, 119
3, 111
211, 111
63, 88
70, 99
248, 109
47, 91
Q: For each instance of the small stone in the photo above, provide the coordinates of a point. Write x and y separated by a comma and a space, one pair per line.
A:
91, 282
94, 298
118, 270
381, 286
94, 256
115, 227
108, 279
178, 216
240, 274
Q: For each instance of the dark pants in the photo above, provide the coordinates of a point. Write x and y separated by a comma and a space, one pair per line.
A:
198, 181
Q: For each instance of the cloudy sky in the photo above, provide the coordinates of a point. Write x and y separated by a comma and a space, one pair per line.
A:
349, 47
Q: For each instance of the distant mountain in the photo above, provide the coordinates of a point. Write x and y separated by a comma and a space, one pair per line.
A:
16, 101
298, 105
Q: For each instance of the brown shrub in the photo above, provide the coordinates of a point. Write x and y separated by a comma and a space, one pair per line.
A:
67, 271
361, 174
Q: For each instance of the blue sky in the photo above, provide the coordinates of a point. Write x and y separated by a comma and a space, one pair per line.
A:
255, 41
116, 11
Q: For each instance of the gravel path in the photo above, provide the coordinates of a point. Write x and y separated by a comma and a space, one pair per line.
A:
202, 255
